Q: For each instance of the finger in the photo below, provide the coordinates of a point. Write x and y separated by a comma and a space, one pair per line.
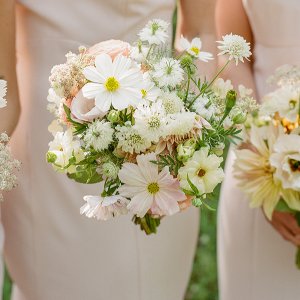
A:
291, 224
288, 236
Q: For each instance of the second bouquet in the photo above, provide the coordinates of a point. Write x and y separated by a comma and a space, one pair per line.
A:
139, 122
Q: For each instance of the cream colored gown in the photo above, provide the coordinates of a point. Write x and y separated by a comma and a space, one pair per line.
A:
52, 252
255, 263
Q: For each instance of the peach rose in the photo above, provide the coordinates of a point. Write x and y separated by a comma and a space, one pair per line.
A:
110, 47
84, 109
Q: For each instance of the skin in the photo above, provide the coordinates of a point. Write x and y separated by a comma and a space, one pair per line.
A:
10, 114
284, 223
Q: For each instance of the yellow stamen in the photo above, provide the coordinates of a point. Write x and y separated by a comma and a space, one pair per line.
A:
153, 188
112, 84
195, 50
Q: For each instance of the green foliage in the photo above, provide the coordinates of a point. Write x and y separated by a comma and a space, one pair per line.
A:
79, 128
86, 174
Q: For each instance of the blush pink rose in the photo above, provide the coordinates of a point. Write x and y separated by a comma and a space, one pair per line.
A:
84, 109
110, 47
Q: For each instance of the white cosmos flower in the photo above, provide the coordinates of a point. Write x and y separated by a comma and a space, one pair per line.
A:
150, 120
116, 83
171, 102
63, 148
147, 187
194, 48
131, 140
99, 135
235, 46
3, 90
286, 160
155, 32
149, 90
168, 72
104, 208
285, 101
203, 170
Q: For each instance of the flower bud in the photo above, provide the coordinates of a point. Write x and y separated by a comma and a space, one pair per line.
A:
239, 118
51, 157
230, 100
218, 150
184, 152
110, 170
113, 116
191, 143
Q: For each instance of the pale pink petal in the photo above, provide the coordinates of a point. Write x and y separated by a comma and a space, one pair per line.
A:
140, 204
147, 168
131, 174
166, 201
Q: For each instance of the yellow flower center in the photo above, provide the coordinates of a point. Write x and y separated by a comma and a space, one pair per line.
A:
112, 84
195, 50
153, 188
144, 93
201, 173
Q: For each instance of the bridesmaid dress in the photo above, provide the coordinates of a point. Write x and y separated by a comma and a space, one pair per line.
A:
52, 252
255, 263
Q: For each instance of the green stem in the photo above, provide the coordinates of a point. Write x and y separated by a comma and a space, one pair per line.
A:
145, 226
217, 75
188, 84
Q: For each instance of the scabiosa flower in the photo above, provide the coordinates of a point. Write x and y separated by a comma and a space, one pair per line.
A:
146, 186
114, 83
131, 140
168, 72
150, 120
3, 89
203, 170
99, 135
194, 49
171, 102
104, 207
180, 124
236, 47
155, 32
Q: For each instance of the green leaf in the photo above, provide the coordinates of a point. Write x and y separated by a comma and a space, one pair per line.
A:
193, 187
86, 174
283, 207
79, 128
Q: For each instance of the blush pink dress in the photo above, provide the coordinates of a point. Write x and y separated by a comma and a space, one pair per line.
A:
255, 263
52, 252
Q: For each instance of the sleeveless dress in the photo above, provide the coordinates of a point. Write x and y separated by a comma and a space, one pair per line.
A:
255, 263
52, 252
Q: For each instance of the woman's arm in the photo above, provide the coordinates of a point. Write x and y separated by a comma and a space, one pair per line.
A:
231, 17
10, 114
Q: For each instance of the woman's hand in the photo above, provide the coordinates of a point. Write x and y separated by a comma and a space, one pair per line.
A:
287, 226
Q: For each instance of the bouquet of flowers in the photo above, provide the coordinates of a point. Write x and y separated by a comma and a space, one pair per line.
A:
138, 120
8, 164
268, 162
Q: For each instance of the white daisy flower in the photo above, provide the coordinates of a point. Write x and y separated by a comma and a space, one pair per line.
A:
194, 49
116, 83
147, 187
3, 89
171, 102
99, 135
203, 170
131, 140
150, 91
104, 208
235, 46
155, 32
150, 120
168, 72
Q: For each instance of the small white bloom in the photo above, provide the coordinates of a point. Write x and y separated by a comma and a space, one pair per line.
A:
113, 82
149, 90
99, 135
63, 148
221, 87
171, 102
139, 53
150, 120
55, 102
3, 89
168, 72
194, 48
110, 170
180, 123
147, 187
55, 127
204, 108
286, 160
203, 170
104, 208
131, 140
235, 46
285, 101
155, 32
